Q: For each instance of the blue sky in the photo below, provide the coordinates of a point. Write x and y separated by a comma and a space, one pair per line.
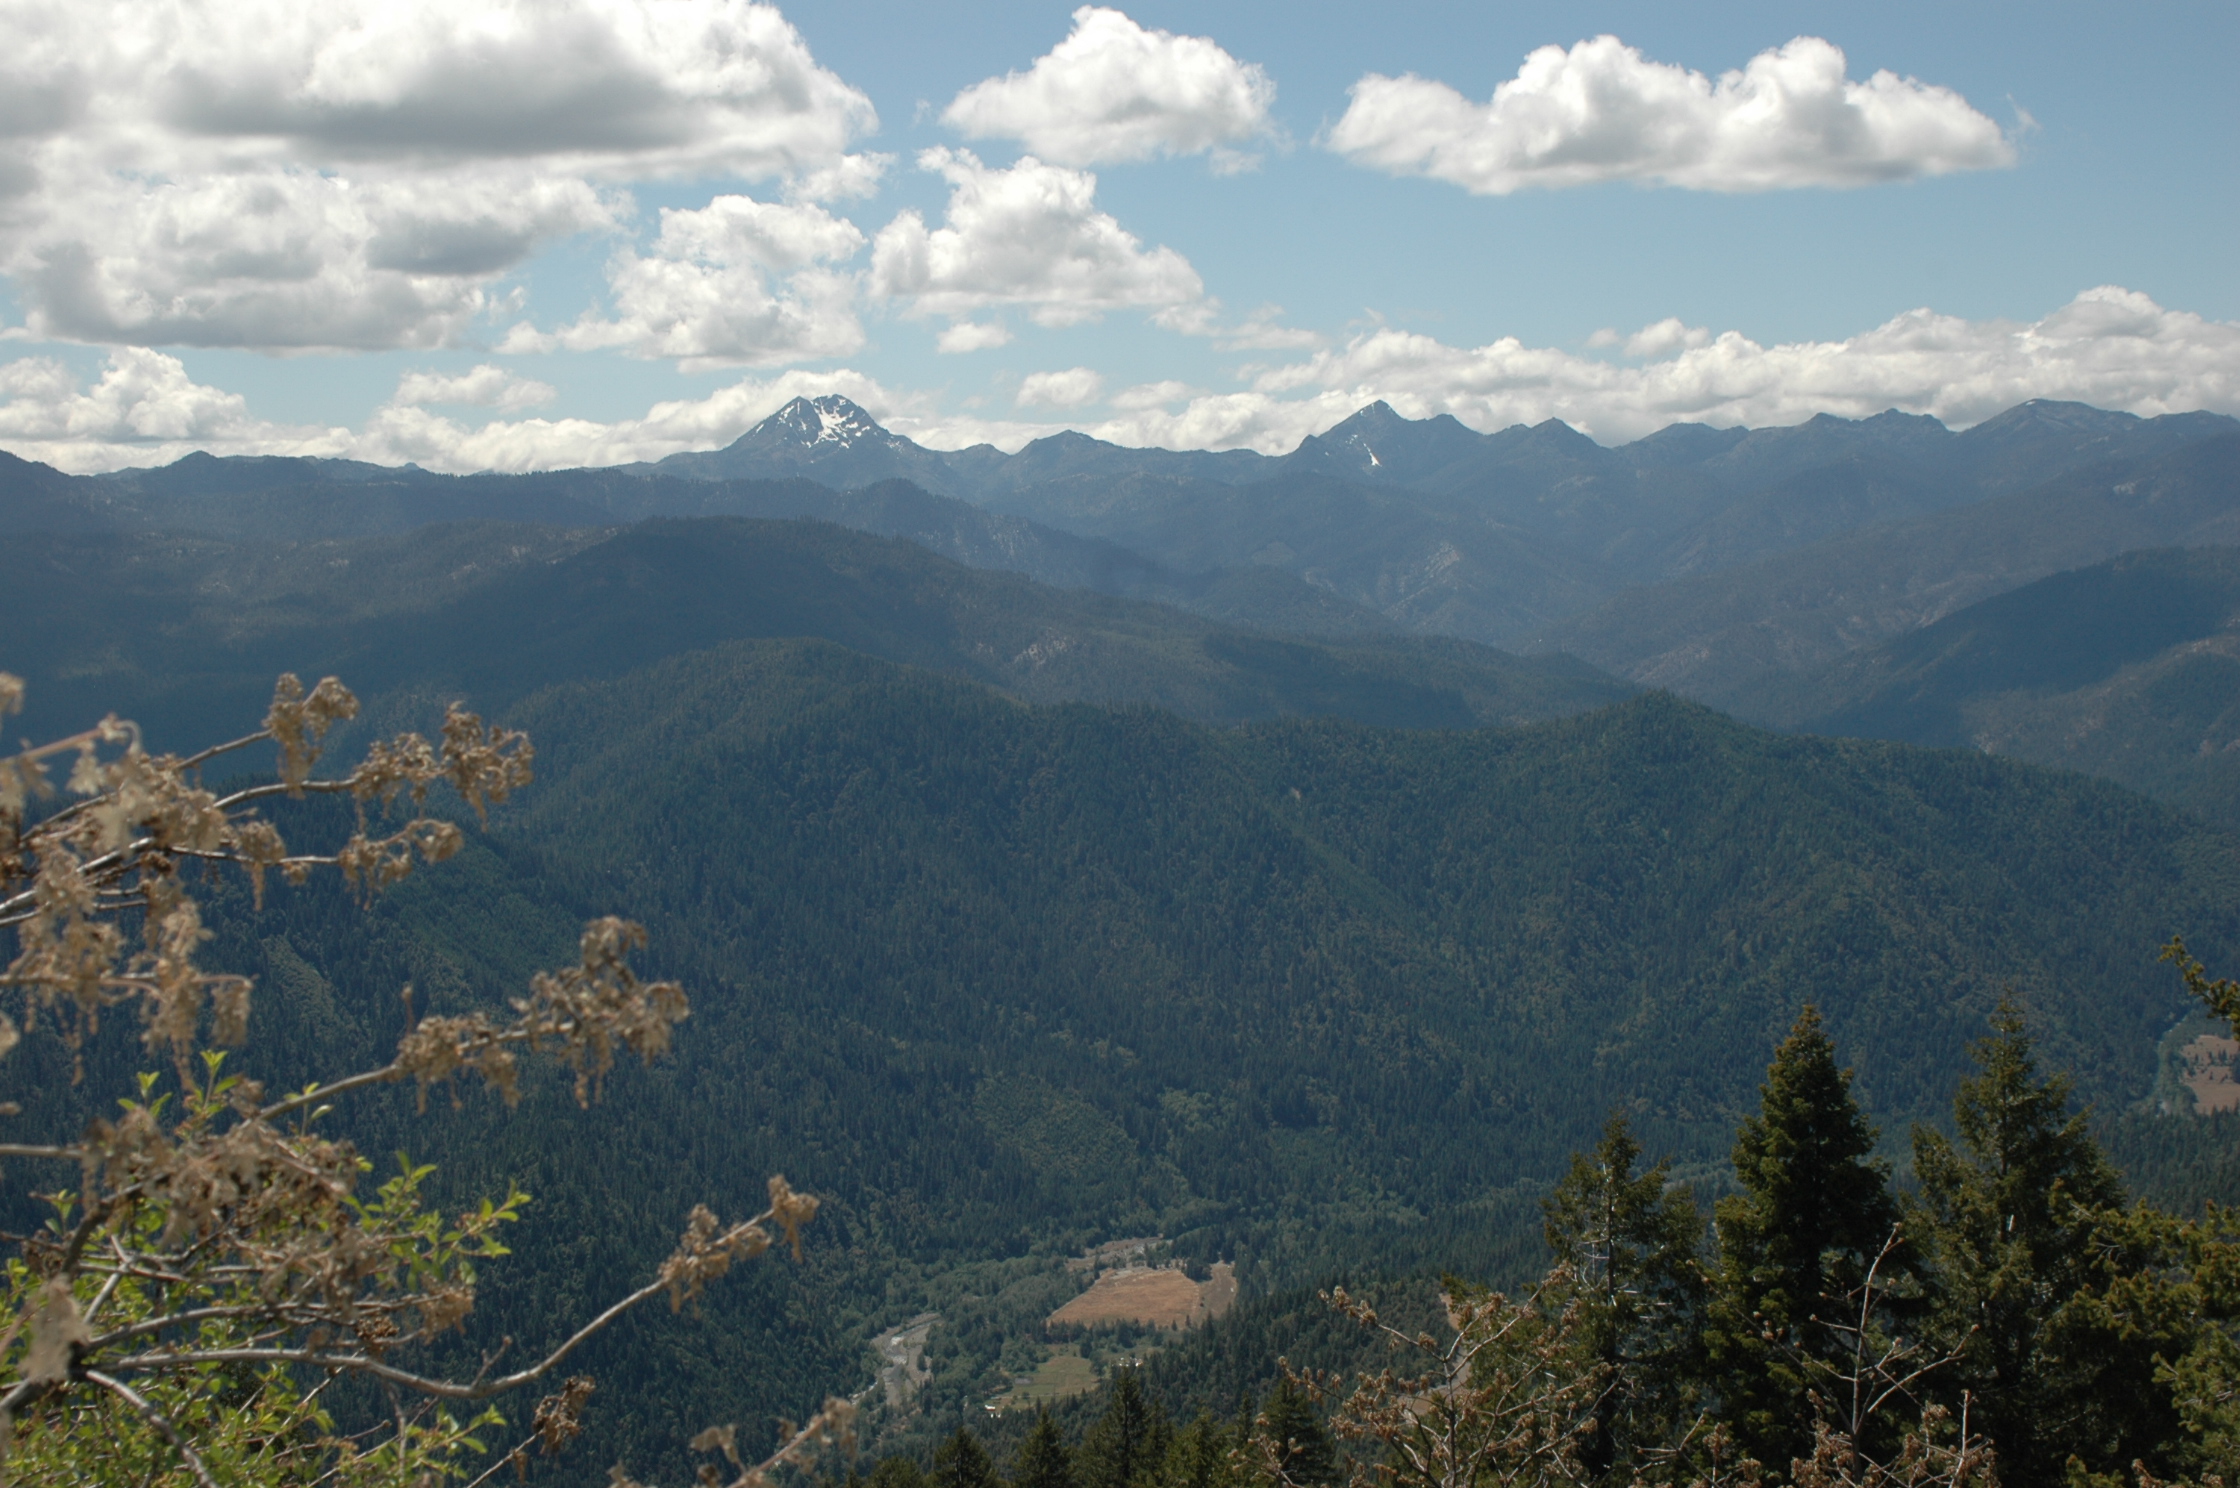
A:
243, 292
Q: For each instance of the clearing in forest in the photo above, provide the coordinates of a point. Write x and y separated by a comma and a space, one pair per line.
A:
1154, 1296
2208, 1064
1064, 1373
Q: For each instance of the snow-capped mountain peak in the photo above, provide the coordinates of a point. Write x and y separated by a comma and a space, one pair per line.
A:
824, 425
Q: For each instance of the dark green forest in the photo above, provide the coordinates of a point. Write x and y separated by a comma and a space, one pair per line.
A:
999, 980
1016, 920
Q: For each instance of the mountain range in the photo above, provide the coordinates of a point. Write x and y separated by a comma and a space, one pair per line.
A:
1729, 565
1515, 537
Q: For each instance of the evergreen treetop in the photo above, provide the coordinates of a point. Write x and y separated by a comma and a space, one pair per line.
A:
1814, 1214
2025, 1223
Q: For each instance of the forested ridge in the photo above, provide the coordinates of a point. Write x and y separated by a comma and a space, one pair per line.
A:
998, 980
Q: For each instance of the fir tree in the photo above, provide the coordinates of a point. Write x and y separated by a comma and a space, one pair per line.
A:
1629, 1241
1814, 1213
1042, 1460
1127, 1444
2024, 1219
1199, 1457
897, 1472
961, 1462
1291, 1425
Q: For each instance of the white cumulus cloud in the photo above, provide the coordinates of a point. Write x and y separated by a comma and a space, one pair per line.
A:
1603, 112
738, 281
1113, 91
1068, 389
356, 173
1667, 335
484, 386
142, 410
1153, 394
1029, 235
973, 335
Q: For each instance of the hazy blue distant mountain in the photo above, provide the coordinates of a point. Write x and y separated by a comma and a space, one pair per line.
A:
1721, 635
1415, 524
833, 440
300, 501
1427, 564
1497, 535
2128, 669
189, 632
1072, 456
1378, 445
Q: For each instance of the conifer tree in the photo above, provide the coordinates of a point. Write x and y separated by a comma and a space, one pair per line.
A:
897, 1472
1293, 1428
1199, 1457
1042, 1460
961, 1462
1628, 1242
1814, 1213
1127, 1445
2024, 1222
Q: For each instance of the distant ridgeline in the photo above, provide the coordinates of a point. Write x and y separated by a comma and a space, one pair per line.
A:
1019, 917
1729, 565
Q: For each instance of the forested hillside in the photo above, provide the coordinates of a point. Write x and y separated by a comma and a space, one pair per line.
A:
2125, 669
1718, 636
999, 980
188, 632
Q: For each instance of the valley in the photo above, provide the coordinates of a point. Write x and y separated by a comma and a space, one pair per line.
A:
1134, 846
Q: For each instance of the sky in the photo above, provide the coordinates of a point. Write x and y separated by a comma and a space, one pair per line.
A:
525, 234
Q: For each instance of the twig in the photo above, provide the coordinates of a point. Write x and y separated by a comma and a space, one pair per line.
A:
156, 1419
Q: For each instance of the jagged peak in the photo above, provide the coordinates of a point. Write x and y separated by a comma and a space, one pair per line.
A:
830, 421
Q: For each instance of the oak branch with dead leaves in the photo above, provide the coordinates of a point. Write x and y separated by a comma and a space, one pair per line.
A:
211, 1257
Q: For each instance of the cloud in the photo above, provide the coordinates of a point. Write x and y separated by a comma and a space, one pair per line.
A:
485, 386
971, 335
621, 88
2110, 347
736, 282
1603, 112
143, 410
1068, 389
1027, 235
355, 174
284, 259
1153, 394
849, 178
1667, 335
1112, 91
1263, 330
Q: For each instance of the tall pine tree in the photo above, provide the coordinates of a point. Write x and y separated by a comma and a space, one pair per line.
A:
2024, 1219
1199, 1457
1295, 1436
1127, 1445
1814, 1212
961, 1462
1629, 1241
1042, 1460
